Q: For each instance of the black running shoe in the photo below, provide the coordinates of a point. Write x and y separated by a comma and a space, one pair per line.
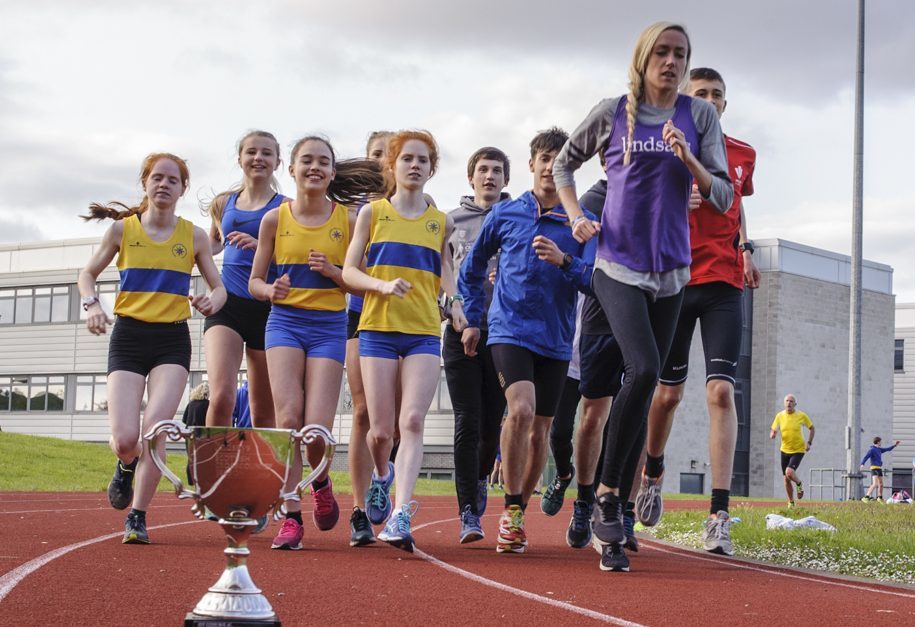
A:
632, 543
135, 530
614, 559
555, 495
120, 488
608, 527
360, 529
578, 535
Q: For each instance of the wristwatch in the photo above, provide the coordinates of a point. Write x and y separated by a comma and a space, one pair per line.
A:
88, 301
747, 247
566, 262
457, 297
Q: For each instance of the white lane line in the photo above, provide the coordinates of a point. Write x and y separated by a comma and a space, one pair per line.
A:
11, 579
605, 618
776, 571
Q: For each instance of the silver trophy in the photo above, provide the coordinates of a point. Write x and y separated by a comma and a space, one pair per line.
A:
239, 476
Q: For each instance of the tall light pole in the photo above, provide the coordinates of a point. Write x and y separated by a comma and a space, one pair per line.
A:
853, 429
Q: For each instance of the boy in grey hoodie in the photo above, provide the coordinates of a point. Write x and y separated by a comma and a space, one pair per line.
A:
473, 384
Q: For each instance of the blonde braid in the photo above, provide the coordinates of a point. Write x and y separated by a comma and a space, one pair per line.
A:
632, 111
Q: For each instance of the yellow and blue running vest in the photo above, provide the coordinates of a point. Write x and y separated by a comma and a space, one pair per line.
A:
310, 289
155, 276
410, 249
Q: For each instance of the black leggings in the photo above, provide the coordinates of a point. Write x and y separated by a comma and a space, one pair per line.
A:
478, 405
563, 426
644, 330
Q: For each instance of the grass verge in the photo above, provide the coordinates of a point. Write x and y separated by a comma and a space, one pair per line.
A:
872, 540
38, 464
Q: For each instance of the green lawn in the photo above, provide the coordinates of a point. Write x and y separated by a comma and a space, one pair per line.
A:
872, 540
37, 464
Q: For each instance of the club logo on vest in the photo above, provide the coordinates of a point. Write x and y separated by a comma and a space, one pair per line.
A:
336, 235
738, 171
179, 250
433, 226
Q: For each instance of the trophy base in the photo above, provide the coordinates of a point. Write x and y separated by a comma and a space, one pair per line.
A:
196, 620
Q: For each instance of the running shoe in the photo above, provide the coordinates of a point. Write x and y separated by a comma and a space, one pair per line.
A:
613, 558
262, 523
649, 504
631, 543
800, 491
578, 535
716, 534
608, 527
482, 494
135, 529
290, 536
326, 512
471, 529
865, 499
360, 529
378, 499
512, 538
555, 494
120, 488
397, 531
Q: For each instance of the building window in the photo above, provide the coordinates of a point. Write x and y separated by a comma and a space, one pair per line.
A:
36, 393
91, 393
40, 305
899, 356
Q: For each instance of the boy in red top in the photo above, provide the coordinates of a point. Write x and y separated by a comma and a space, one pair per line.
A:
722, 263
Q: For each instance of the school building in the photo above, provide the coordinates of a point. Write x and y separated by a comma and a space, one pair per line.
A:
795, 339
903, 456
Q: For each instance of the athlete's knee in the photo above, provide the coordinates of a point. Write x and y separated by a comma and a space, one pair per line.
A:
668, 397
720, 393
521, 412
643, 377
221, 407
124, 446
380, 437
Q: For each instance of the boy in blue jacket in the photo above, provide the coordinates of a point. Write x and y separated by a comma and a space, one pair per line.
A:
531, 321
875, 455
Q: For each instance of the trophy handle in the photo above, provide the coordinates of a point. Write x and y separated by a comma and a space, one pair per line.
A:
176, 431
307, 435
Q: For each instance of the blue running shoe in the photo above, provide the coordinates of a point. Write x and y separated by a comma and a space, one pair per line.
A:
471, 529
378, 499
482, 493
631, 543
578, 535
397, 531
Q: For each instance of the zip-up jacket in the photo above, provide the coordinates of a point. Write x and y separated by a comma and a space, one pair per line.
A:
533, 303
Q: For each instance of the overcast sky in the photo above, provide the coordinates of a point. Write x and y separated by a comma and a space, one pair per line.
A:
88, 88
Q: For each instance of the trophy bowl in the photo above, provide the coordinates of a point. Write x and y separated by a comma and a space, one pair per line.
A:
239, 476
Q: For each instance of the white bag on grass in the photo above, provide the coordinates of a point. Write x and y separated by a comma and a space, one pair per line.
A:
775, 521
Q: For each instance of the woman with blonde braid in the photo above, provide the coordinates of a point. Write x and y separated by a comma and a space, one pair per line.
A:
656, 143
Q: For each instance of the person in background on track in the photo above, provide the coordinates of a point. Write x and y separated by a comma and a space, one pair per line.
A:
150, 348
793, 447
875, 456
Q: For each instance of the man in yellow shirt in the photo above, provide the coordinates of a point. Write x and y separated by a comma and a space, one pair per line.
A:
793, 445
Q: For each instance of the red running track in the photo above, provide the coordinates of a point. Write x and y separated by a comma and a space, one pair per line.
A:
62, 563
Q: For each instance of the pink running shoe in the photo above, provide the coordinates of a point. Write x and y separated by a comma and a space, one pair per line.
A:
290, 536
326, 512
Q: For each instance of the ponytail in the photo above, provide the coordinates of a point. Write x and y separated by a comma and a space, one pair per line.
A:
100, 212
357, 181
